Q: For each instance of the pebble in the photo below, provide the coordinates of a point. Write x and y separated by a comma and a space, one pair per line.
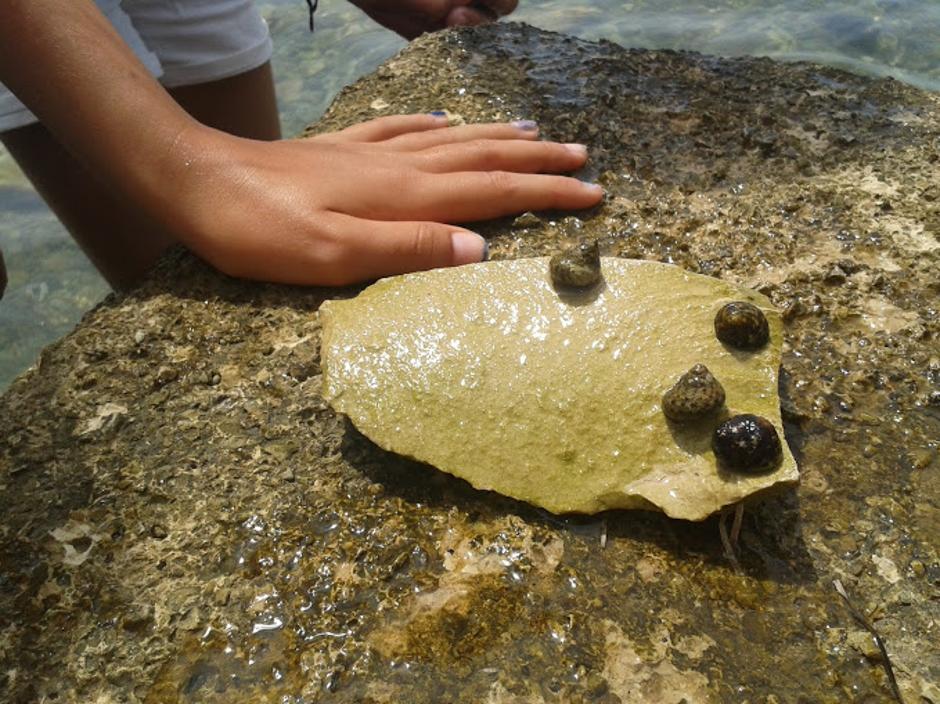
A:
527, 221
863, 642
595, 685
137, 617
165, 375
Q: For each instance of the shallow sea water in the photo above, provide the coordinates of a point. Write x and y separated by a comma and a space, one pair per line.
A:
52, 285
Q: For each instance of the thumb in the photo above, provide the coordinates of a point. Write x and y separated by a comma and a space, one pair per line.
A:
381, 248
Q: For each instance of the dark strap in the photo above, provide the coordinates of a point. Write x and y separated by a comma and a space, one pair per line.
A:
312, 6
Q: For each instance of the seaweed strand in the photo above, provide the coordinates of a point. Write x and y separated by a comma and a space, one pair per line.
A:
885, 660
736, 526
726, 542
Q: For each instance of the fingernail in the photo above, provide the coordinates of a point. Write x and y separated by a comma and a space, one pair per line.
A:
438, 113
527, 125
593, 188
468, 247
577, 149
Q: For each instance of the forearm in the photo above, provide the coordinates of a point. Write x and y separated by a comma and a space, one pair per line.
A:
63, 59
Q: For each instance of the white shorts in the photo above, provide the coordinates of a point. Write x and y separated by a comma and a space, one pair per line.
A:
181, 42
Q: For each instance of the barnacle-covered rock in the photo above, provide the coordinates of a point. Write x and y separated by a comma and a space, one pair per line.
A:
314, 531
485, 372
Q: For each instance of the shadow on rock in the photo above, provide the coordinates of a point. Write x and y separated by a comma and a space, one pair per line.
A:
771, 545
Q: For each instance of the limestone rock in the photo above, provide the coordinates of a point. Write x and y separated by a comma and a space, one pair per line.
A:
486, 372
301, 545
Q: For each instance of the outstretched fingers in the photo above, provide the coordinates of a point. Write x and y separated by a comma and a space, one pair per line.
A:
385, 128
419, 132
369, 249
468, 196
418, 141
494, 155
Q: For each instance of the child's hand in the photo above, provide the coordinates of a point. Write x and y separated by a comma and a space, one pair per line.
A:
410, 18
378, 198
372, 200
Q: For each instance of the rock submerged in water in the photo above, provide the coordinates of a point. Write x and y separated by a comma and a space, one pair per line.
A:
483, 372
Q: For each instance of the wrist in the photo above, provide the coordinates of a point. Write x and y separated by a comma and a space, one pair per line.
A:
171, 179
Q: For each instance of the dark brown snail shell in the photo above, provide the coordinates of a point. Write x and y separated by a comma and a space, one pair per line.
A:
576, 267
696, 394
742, 325
748, 444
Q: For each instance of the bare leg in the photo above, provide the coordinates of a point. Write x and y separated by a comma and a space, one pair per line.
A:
242, 105
121, 241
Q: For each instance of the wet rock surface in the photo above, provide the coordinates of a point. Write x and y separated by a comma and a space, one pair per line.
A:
486, 372
186, 520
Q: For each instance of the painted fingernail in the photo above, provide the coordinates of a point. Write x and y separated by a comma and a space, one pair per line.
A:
577, 149
468, 247
527, 125
438, 113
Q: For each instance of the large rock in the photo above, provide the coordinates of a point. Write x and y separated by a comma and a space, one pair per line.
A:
186, 520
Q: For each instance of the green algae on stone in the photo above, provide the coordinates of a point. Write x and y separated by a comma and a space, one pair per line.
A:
487, 373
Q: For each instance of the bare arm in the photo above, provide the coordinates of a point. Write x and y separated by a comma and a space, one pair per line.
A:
375, 199
66, 62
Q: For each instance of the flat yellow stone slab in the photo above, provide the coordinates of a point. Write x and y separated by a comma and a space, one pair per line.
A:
485, 372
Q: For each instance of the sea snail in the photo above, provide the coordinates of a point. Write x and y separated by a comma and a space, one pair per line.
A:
696, 394
742, 325
747, 444
576, 267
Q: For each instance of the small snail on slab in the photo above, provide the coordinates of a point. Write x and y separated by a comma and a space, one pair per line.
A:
742, 325
697, 394
748, 444
576, 267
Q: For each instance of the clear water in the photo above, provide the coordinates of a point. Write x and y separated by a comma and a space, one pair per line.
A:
52, 285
